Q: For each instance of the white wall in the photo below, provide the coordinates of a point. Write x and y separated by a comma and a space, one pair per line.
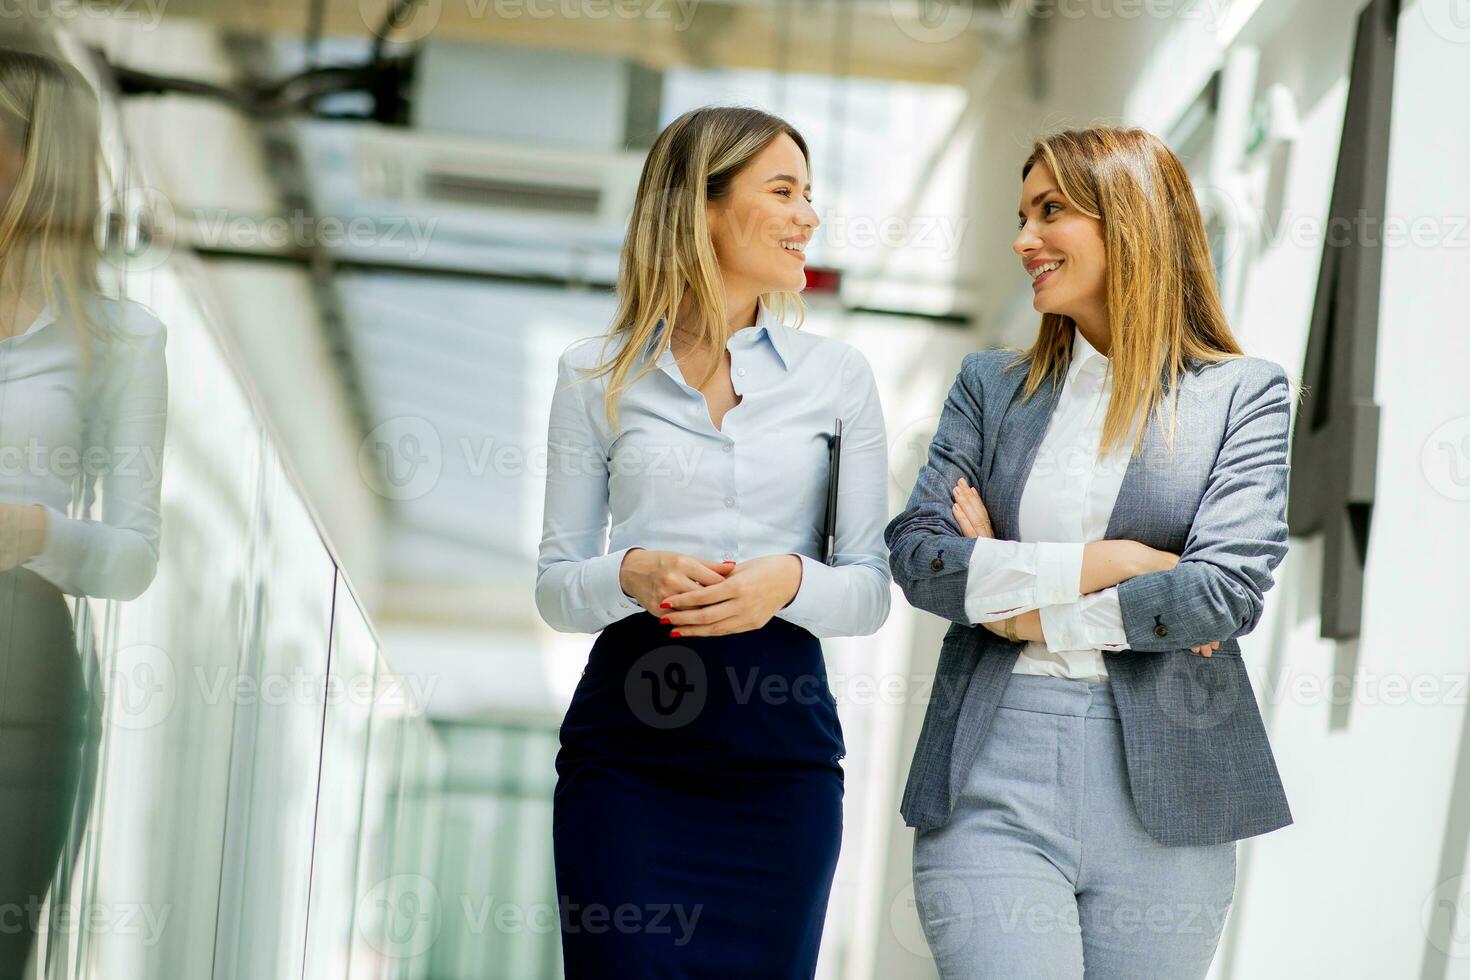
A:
1378, 783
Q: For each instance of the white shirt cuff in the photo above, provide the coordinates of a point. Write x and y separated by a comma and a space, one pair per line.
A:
1058, 572
1094, 622
64, 550
604, 586
1008, 577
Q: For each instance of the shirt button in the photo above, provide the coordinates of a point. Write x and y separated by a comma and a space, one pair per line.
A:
727, 556
937, 564
729, 501
740, 371
1161, 630
728, 448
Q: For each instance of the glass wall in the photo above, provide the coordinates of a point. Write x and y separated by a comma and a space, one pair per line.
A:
340, 798
201, 771
501, 916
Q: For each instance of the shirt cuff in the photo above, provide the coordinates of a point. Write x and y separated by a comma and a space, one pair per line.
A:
1058, 572
1094, 622
816, 594
604, 588
63, 550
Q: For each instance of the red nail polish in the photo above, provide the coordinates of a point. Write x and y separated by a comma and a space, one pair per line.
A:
727, 563
665, 605
675, 633
665, 620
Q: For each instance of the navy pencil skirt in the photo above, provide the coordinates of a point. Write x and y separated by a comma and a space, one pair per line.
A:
698, 807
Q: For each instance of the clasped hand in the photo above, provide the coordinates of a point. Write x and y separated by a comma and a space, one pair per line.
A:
974, 522
695, 597
22, 534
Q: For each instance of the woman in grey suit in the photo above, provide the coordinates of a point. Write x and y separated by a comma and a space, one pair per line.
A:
1099, 518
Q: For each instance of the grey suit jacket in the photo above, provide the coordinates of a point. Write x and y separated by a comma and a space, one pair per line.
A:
1199, 764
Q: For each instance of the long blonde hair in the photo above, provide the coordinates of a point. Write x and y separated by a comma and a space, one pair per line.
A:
48, 225
668, 257
1163, 307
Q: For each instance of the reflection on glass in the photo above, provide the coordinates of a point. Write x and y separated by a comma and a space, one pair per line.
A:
384, 928
152, 853
421, 905
182, 793
83, 402
339, 807
401, 909
276, 757
495, 851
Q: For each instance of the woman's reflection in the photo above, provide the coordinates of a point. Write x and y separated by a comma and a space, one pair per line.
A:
83, 399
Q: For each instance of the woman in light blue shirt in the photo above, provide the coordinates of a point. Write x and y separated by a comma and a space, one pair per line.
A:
699, 788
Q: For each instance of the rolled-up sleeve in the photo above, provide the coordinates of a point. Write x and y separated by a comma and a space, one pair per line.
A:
1238, 537
578, 589
852, 596
1092, 622
929, 555
1011, 577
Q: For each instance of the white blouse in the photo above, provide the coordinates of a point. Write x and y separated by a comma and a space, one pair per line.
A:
667, 479
65, 437
1067, 502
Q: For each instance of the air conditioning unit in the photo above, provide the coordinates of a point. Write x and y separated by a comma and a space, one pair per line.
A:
472, 204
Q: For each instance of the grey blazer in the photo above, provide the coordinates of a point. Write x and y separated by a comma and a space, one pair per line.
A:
1199, 764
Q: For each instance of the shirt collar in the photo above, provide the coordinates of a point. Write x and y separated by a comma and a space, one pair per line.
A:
767, 325
1085, 357
43, 320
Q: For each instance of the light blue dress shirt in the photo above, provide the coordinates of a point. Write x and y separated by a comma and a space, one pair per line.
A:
669, 480
68, 438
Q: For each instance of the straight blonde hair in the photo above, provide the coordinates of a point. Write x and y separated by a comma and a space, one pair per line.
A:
1163, 307
48, 226
668, 260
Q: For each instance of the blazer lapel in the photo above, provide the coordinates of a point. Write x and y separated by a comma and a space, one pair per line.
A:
1021, 432
1018, 439
1161, 489
1134, 481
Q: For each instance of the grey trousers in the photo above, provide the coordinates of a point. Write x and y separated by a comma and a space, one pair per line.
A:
1044, 871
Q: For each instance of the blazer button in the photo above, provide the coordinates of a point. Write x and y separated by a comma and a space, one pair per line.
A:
1161, 630
937, 564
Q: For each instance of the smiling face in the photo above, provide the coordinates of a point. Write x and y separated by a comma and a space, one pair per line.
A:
761, 227
1062, 250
